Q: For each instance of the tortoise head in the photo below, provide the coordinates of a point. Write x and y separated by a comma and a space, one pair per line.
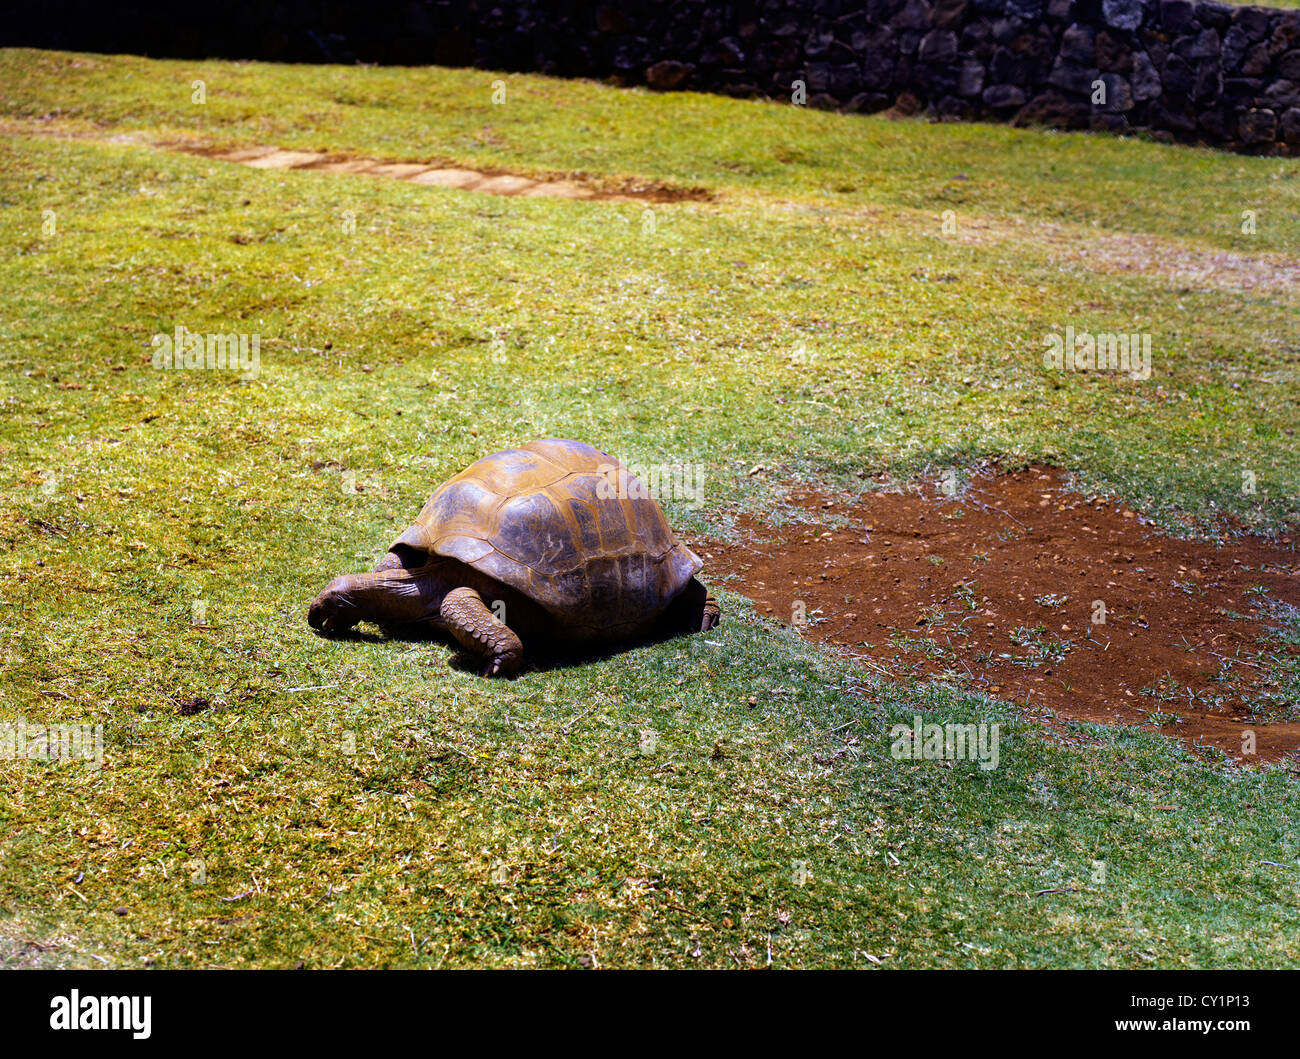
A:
336, 609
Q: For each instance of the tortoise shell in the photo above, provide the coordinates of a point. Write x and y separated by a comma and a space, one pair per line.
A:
566, 525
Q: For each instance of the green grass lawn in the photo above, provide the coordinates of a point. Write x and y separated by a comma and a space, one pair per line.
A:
720, 800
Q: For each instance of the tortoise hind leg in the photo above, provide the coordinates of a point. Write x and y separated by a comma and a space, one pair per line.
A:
479, 631
693, 610
712, 615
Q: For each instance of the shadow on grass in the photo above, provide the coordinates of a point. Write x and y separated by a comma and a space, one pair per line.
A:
543, 657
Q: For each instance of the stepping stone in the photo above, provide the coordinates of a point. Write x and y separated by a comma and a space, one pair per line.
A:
466, 179
285, 159
398, 170
347, 165
506, 185
558, 189
244, 154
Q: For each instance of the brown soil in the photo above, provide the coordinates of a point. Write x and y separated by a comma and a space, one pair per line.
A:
488, 182
994, 589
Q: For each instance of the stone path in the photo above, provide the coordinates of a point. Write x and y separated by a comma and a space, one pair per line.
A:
488, 183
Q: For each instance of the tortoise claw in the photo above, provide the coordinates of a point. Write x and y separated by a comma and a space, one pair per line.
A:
465, 662
501, 666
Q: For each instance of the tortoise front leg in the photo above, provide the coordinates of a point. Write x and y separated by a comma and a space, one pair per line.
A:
477, 629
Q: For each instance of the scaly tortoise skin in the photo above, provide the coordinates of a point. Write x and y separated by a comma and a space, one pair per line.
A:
557, 537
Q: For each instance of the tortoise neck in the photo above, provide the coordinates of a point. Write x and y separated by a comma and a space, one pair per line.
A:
401, 595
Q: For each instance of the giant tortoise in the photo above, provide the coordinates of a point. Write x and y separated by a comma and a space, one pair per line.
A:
552, 542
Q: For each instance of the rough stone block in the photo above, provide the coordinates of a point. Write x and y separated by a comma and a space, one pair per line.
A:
1001, 96
1257, 126
1123, 14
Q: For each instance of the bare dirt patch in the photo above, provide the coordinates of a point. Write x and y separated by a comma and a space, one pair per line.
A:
1179, 264
996, 589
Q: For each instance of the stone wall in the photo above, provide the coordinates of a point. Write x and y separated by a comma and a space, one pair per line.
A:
1198, 72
